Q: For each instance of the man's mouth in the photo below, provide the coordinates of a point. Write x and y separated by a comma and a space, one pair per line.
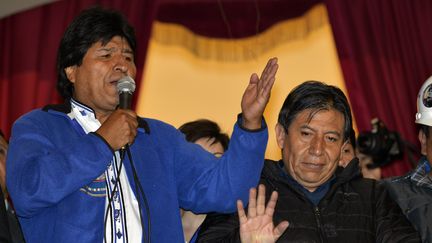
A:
313, 166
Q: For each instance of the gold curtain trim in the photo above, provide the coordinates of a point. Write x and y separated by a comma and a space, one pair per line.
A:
241, 49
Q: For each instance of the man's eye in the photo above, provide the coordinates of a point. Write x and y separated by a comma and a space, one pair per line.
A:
303, 133
332, 139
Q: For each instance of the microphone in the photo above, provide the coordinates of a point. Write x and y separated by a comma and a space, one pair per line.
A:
125, 89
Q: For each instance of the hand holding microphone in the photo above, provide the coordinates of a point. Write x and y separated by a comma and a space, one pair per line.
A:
121, 126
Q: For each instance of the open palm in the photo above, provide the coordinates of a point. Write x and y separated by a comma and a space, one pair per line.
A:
257, 226
257, 95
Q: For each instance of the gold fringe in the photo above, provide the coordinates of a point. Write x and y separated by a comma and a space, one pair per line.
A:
242, 49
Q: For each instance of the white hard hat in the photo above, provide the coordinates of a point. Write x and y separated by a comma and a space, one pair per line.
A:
424, 104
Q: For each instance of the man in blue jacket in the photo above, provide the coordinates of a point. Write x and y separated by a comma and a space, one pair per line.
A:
85, 171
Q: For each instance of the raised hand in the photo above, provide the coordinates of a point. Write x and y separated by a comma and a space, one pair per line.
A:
257, 95
257, 226
119, 128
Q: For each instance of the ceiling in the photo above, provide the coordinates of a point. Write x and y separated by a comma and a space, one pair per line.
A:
9, 7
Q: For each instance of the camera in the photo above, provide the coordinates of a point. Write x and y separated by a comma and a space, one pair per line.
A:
382, 145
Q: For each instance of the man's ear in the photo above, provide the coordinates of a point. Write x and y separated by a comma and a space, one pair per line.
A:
342, 154
280, 135
423, 139
343, 147
70, 73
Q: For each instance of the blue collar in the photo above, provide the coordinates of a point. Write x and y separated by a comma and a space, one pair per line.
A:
427, 166
315, 196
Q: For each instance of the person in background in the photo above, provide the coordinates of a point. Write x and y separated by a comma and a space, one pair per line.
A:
321, 201
367, 167
350, 152
13, 225
88, 171
413, 192
208, 135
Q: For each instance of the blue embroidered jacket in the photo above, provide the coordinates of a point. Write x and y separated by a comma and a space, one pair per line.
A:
53, 166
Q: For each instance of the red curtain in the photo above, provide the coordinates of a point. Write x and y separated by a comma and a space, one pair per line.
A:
383, 48
231, 18
29, 42
385, 54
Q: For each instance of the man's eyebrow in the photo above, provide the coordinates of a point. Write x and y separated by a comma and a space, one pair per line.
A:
306, 126
113, 49
127, 50
103, 49
328, 132
334, 132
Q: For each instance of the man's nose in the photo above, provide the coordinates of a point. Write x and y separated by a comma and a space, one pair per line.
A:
317, 146
121, 65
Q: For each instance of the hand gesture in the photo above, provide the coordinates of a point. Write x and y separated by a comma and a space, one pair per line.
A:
257, 95
257, 226
119, 128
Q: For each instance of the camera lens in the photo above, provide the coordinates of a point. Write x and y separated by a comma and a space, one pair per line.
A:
370, 143
381, 145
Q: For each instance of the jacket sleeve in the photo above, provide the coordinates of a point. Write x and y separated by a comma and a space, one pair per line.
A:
46, 162
209, 184
391, 224
222, 228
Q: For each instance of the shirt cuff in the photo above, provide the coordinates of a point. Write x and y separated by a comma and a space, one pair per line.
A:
240, 124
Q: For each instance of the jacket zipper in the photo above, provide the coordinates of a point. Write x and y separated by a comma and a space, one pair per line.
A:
319, 224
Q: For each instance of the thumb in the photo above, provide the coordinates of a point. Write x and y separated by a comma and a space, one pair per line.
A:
280, 229
254, 79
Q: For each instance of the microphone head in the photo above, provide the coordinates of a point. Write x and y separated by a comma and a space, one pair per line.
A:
126, 84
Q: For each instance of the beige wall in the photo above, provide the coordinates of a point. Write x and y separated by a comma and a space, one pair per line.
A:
179, 87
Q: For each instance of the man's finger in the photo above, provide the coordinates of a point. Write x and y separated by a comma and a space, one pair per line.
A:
241, 213
268, 66
261, 200
271, 204
252, 203
265, 91
280, 229
253, 79
267, 84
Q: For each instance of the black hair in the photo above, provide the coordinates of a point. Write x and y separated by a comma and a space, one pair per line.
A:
89, 27
316, 96
352, 139
204, 128
3, 136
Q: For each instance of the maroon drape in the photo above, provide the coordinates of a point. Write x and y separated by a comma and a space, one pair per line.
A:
29, 42
385, 54
230, 18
